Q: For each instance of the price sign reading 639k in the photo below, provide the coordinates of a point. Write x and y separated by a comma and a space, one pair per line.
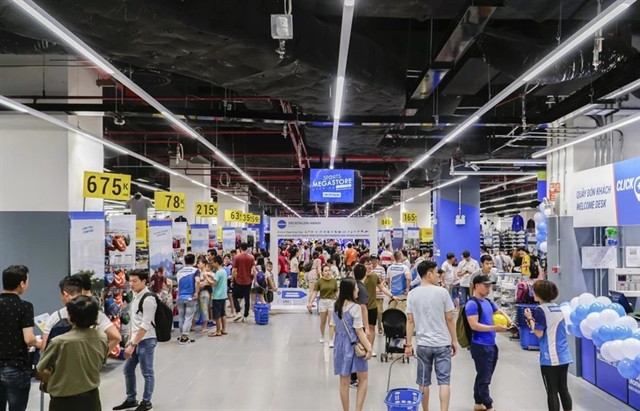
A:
167, 201
106, 185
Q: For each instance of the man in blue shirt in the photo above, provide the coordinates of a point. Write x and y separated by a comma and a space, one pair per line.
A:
188, 289
484, 351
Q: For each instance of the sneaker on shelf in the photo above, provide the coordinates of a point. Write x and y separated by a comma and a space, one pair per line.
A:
321, 340
330, 343
353, 384
144, 406
126, 405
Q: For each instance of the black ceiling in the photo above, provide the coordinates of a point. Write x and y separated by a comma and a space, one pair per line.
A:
215, 62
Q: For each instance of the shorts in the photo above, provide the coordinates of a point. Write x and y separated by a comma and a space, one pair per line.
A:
373, 315
218, 308
441, 357
257, 290
326, 305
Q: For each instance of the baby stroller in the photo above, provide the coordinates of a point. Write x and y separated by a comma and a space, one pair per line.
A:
394, 322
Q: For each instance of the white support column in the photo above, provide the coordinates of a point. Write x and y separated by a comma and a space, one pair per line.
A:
194, 193
420, 205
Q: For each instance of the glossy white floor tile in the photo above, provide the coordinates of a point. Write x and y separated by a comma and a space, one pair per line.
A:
281, 366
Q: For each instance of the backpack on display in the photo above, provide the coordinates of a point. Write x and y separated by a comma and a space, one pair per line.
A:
463, 329
163, 320
63, 326
524, 293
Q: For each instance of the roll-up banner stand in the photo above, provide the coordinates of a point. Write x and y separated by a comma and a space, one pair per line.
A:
199, 238
160, 245
87, 242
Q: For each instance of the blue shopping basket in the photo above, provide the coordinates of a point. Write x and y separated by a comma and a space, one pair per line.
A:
403, 399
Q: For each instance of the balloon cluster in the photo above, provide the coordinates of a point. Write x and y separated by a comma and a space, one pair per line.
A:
541, 228
611, 330
612, 236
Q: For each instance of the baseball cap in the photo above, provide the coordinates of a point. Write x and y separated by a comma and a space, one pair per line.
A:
482, 279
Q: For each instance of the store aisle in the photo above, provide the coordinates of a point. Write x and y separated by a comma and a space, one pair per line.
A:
282, 367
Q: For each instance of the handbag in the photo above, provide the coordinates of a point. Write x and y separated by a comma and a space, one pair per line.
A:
358, 348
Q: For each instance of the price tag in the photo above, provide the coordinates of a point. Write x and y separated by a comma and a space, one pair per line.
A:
205, 209
387, 222
245, 217
233, 215
254, 219
106, 185
167, 201
409, 217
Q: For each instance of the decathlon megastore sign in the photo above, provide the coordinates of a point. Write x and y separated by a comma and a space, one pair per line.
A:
331, 186
607, 195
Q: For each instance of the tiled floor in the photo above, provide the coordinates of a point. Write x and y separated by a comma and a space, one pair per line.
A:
282, 366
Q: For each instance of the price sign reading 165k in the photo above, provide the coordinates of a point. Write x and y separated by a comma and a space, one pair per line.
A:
106, 185
409, 217
167, 201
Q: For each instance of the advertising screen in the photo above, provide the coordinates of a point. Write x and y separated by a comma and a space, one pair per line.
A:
331, 186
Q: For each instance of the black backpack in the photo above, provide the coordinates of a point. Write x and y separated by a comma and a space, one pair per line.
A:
308, 266
63, 326
163, 320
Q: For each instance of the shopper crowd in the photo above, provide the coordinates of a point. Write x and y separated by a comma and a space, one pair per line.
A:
354, 287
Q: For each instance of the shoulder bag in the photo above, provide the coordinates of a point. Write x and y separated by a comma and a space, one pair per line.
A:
358, 348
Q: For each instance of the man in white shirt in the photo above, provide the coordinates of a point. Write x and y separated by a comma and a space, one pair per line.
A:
466, 267
430, 313
448, 278
386, 256
70, 288
487, 270
141, 347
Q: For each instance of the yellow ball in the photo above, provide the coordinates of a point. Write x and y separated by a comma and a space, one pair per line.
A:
499, 319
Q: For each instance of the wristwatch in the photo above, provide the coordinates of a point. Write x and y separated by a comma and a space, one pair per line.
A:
133, 344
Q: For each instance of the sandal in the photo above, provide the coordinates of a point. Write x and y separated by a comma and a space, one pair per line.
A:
223, 333
215, 335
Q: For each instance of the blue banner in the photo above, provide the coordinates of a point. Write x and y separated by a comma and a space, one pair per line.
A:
627, 186
331, 186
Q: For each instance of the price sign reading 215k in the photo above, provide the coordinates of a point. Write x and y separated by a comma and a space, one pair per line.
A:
167, 201
106, 185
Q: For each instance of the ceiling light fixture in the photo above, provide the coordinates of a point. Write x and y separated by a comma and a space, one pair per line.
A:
624, 90
12, 106
592, 134
492, 173
514, 161
72, 40
339, 94
493, 200
572, 42
506, 183
146, 186
498, 206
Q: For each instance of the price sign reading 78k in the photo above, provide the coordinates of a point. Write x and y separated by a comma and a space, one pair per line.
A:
168, 201
106, 185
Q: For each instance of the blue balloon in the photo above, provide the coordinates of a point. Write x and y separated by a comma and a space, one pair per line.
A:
581, 311
597, 338
542, 227
607, 333
597, 307
636, 361
618, 308
622, 332
540, 237
627, 368
575, 331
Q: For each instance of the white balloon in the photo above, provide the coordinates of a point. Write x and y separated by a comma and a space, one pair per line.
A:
593, 320
543, 246
548, 212
609, 316
575, 301
566, 310
604, 300
605, 351
586, 298
616, 350
628, 322
588, 331
631, 348
538, 217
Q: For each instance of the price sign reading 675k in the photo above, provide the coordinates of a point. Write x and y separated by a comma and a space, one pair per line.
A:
106, 185
167, 201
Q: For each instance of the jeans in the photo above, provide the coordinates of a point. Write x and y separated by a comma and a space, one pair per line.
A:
143, 354
485, 357
186, 311
242, 292
293, 280
15, 384
281, 278
555, 382
460, 292
203, 308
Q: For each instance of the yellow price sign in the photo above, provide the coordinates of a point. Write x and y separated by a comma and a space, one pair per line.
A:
233, 215
245, 217
254, 219
168, 201
106, 185
409, 217
426, 234
205, 209
387, 222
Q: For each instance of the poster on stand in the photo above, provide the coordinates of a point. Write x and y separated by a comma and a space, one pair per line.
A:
87, 243
199, 238
228, 239
142, 244
413, 238
397, 240
120, 239
160, 245
179, 238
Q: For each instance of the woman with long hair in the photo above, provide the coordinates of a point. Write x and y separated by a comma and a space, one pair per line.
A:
312, 276
327, 288
204, 297
294, 269
347, 317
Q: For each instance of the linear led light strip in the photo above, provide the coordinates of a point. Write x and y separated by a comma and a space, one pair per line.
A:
425, 192
493, 200
506, 183
345, 37
567, 46
592, 134
492, 173
498, 206
514, 161
73, 41
624, 90
14, 105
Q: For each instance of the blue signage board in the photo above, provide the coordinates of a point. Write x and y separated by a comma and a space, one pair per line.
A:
627, 186
331, 186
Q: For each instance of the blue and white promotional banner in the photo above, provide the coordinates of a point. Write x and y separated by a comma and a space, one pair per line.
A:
229, 239
397, 240
199, 238
606, 196
121, 241
160, 245
179, 232
331, 186
290, 300
87, 242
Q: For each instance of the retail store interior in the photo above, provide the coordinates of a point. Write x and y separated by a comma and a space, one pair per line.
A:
137, 135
